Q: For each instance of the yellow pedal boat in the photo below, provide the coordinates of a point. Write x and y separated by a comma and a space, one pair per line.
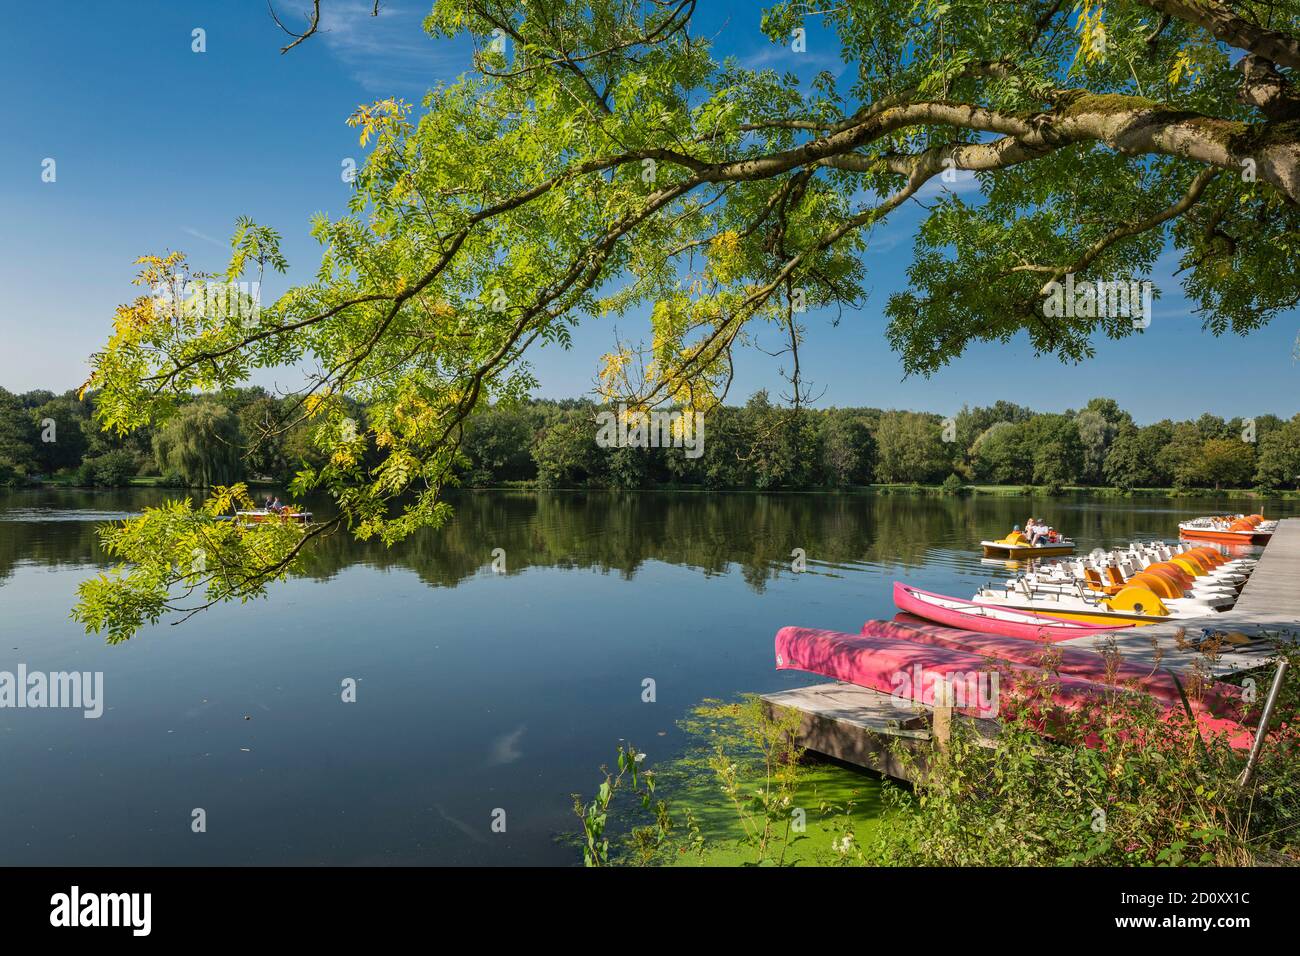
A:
1016, 546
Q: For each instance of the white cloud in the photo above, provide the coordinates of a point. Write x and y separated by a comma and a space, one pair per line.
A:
780, 57
189, 230
966, 182
505, 749
390, 54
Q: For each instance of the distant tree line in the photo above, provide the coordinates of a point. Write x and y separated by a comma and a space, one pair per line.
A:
212, 439
246, 433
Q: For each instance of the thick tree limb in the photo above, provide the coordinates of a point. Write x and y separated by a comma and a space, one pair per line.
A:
1227, 25
1264, 88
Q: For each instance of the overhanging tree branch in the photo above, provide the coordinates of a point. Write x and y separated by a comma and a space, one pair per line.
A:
1229, 26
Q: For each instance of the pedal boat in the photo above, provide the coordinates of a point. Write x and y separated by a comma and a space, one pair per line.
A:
1185, 577
1141, 602
1016, 546
260, 515
1243, 529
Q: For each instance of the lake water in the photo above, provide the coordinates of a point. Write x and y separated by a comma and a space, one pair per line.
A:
477, 691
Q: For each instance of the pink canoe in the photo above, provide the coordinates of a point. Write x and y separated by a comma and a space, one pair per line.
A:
991, 619
1212, 697
974, 684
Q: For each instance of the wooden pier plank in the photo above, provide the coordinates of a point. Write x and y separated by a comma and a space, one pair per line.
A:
854, 724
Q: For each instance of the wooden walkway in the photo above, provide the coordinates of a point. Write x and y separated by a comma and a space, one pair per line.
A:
855, 724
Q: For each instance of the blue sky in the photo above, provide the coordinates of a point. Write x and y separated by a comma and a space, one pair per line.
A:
161, 148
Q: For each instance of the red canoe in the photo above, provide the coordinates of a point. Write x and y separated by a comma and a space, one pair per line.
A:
1226, 537
991, 619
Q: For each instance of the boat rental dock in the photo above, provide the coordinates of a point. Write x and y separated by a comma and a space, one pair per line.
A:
859, 725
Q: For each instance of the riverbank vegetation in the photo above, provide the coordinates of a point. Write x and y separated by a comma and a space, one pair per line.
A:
742, 794
243, 434
1112, 784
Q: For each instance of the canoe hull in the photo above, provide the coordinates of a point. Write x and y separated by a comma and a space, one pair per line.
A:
1231, 537
1216, 698
1034, 626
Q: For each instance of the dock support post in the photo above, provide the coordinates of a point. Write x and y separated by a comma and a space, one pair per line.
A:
1248, 774
941, 722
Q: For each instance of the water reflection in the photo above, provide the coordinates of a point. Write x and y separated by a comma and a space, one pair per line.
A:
613, 532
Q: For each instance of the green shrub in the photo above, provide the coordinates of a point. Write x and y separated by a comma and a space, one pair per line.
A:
113, 469
1119, 784
11, 475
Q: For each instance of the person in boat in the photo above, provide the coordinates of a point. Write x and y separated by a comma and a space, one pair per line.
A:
275, 507
266, 503
1037, 532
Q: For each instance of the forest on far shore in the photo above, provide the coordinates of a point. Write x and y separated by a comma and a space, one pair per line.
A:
241, 434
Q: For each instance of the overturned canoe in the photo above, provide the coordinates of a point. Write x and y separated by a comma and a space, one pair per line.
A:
1209, 696
990, 619
914, 672
908, 670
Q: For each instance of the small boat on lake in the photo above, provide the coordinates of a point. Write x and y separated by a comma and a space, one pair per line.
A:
1237, 529
1216, 698
1016, 546
285, 514
987, 618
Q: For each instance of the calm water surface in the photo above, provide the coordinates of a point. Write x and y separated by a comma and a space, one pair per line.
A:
477, 690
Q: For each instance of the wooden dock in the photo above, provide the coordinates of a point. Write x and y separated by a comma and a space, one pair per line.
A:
857, 725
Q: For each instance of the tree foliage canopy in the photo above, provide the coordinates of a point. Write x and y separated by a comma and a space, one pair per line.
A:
598, 159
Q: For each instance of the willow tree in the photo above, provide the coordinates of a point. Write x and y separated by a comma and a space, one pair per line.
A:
202, 443
599, 159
